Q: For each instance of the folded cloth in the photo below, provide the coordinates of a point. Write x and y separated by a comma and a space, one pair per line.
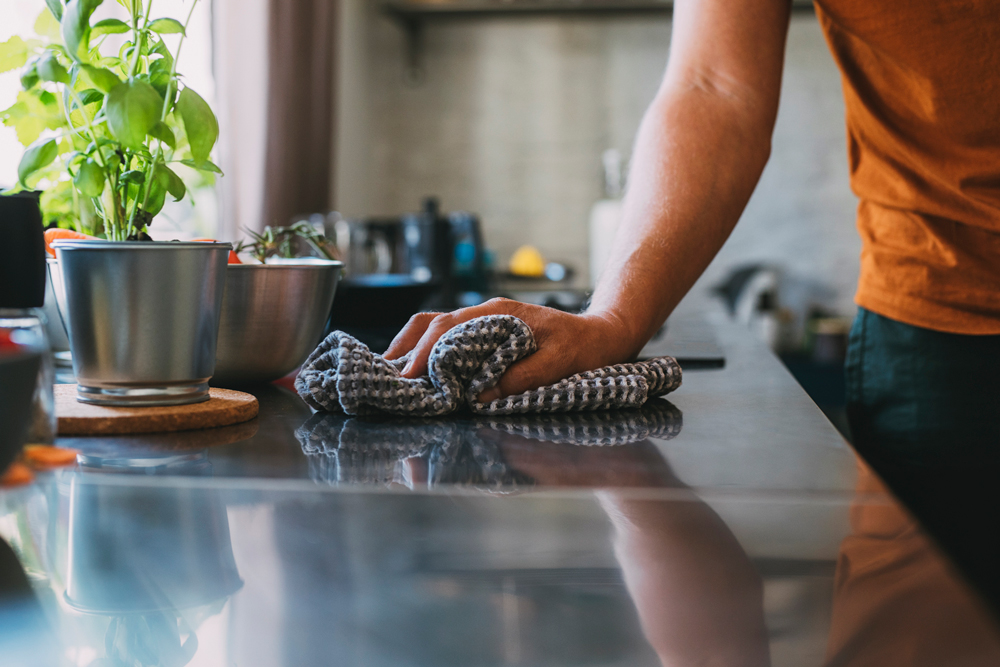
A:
342, 374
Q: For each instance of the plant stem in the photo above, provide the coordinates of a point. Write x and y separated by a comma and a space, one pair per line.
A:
148, 183
137, 38
114, 227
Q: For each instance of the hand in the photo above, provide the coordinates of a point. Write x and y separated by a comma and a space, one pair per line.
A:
567, 343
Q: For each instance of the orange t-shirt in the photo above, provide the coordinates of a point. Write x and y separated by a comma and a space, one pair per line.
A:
922, 89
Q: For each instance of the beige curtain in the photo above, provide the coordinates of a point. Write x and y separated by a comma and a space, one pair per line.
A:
274, 69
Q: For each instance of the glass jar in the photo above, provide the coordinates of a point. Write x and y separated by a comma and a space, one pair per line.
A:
27, 326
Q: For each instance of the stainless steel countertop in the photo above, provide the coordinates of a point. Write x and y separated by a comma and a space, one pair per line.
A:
710, 530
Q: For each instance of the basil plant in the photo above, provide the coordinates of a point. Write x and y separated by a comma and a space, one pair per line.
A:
105, 130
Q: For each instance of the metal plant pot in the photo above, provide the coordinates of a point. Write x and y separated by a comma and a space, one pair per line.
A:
137, 549
143, 318
273, 315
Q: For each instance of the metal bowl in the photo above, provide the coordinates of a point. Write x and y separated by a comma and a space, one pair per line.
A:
273, 316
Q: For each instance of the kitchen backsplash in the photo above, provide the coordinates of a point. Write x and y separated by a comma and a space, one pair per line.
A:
512, 117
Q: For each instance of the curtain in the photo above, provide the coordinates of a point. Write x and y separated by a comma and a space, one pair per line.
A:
275, 74
300, 109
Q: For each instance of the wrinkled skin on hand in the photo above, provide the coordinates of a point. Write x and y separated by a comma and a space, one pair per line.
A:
567, 343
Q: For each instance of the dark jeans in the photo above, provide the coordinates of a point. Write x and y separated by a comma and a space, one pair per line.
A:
924, 412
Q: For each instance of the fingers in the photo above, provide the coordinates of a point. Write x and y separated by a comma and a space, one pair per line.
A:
540, 369
417, 366
439, 325
408, 336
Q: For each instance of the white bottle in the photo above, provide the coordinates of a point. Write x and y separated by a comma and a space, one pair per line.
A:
606, 214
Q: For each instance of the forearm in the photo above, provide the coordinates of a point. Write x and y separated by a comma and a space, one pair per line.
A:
699, 598
698, 156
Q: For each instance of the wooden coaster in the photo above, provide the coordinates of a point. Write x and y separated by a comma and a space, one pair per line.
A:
225, 407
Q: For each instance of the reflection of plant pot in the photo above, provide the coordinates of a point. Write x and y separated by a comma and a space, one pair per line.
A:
139, 549
273, 316
143, 318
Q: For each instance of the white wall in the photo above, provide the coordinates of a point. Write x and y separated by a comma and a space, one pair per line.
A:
513, 114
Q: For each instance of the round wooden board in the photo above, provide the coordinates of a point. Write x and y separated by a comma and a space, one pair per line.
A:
225, 407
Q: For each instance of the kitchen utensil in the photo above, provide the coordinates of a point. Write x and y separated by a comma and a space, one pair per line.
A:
273, 315
372, 245
378, 300
143, 318
428, 246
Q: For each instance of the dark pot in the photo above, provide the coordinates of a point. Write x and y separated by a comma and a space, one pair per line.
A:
18, 374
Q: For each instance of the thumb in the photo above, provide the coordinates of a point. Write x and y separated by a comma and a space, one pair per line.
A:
536, 371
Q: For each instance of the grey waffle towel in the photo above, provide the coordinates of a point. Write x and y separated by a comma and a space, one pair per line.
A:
342, 374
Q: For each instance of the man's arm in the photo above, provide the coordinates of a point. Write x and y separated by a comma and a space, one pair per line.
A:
701, 148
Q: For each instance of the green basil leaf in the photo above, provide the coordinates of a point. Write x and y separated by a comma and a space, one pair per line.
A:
134, 176
29, 77
75, 24
204, 165
49, 69
48, 99
162, 131
132, 108
103, 79
111, 157
109, 62
13, 54
156, 197
109, 27
165, 26
159, 75
38, 155
90, 96
56, 7
89, 179
171, 181
161, 49
200, 124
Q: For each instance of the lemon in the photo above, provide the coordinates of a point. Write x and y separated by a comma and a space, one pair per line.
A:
527, 261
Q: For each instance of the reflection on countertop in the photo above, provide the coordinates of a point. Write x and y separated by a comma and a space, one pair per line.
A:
499, 454
730, 525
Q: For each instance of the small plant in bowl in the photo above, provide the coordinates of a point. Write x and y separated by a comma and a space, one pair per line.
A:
106, 118
276, 307
284, 242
